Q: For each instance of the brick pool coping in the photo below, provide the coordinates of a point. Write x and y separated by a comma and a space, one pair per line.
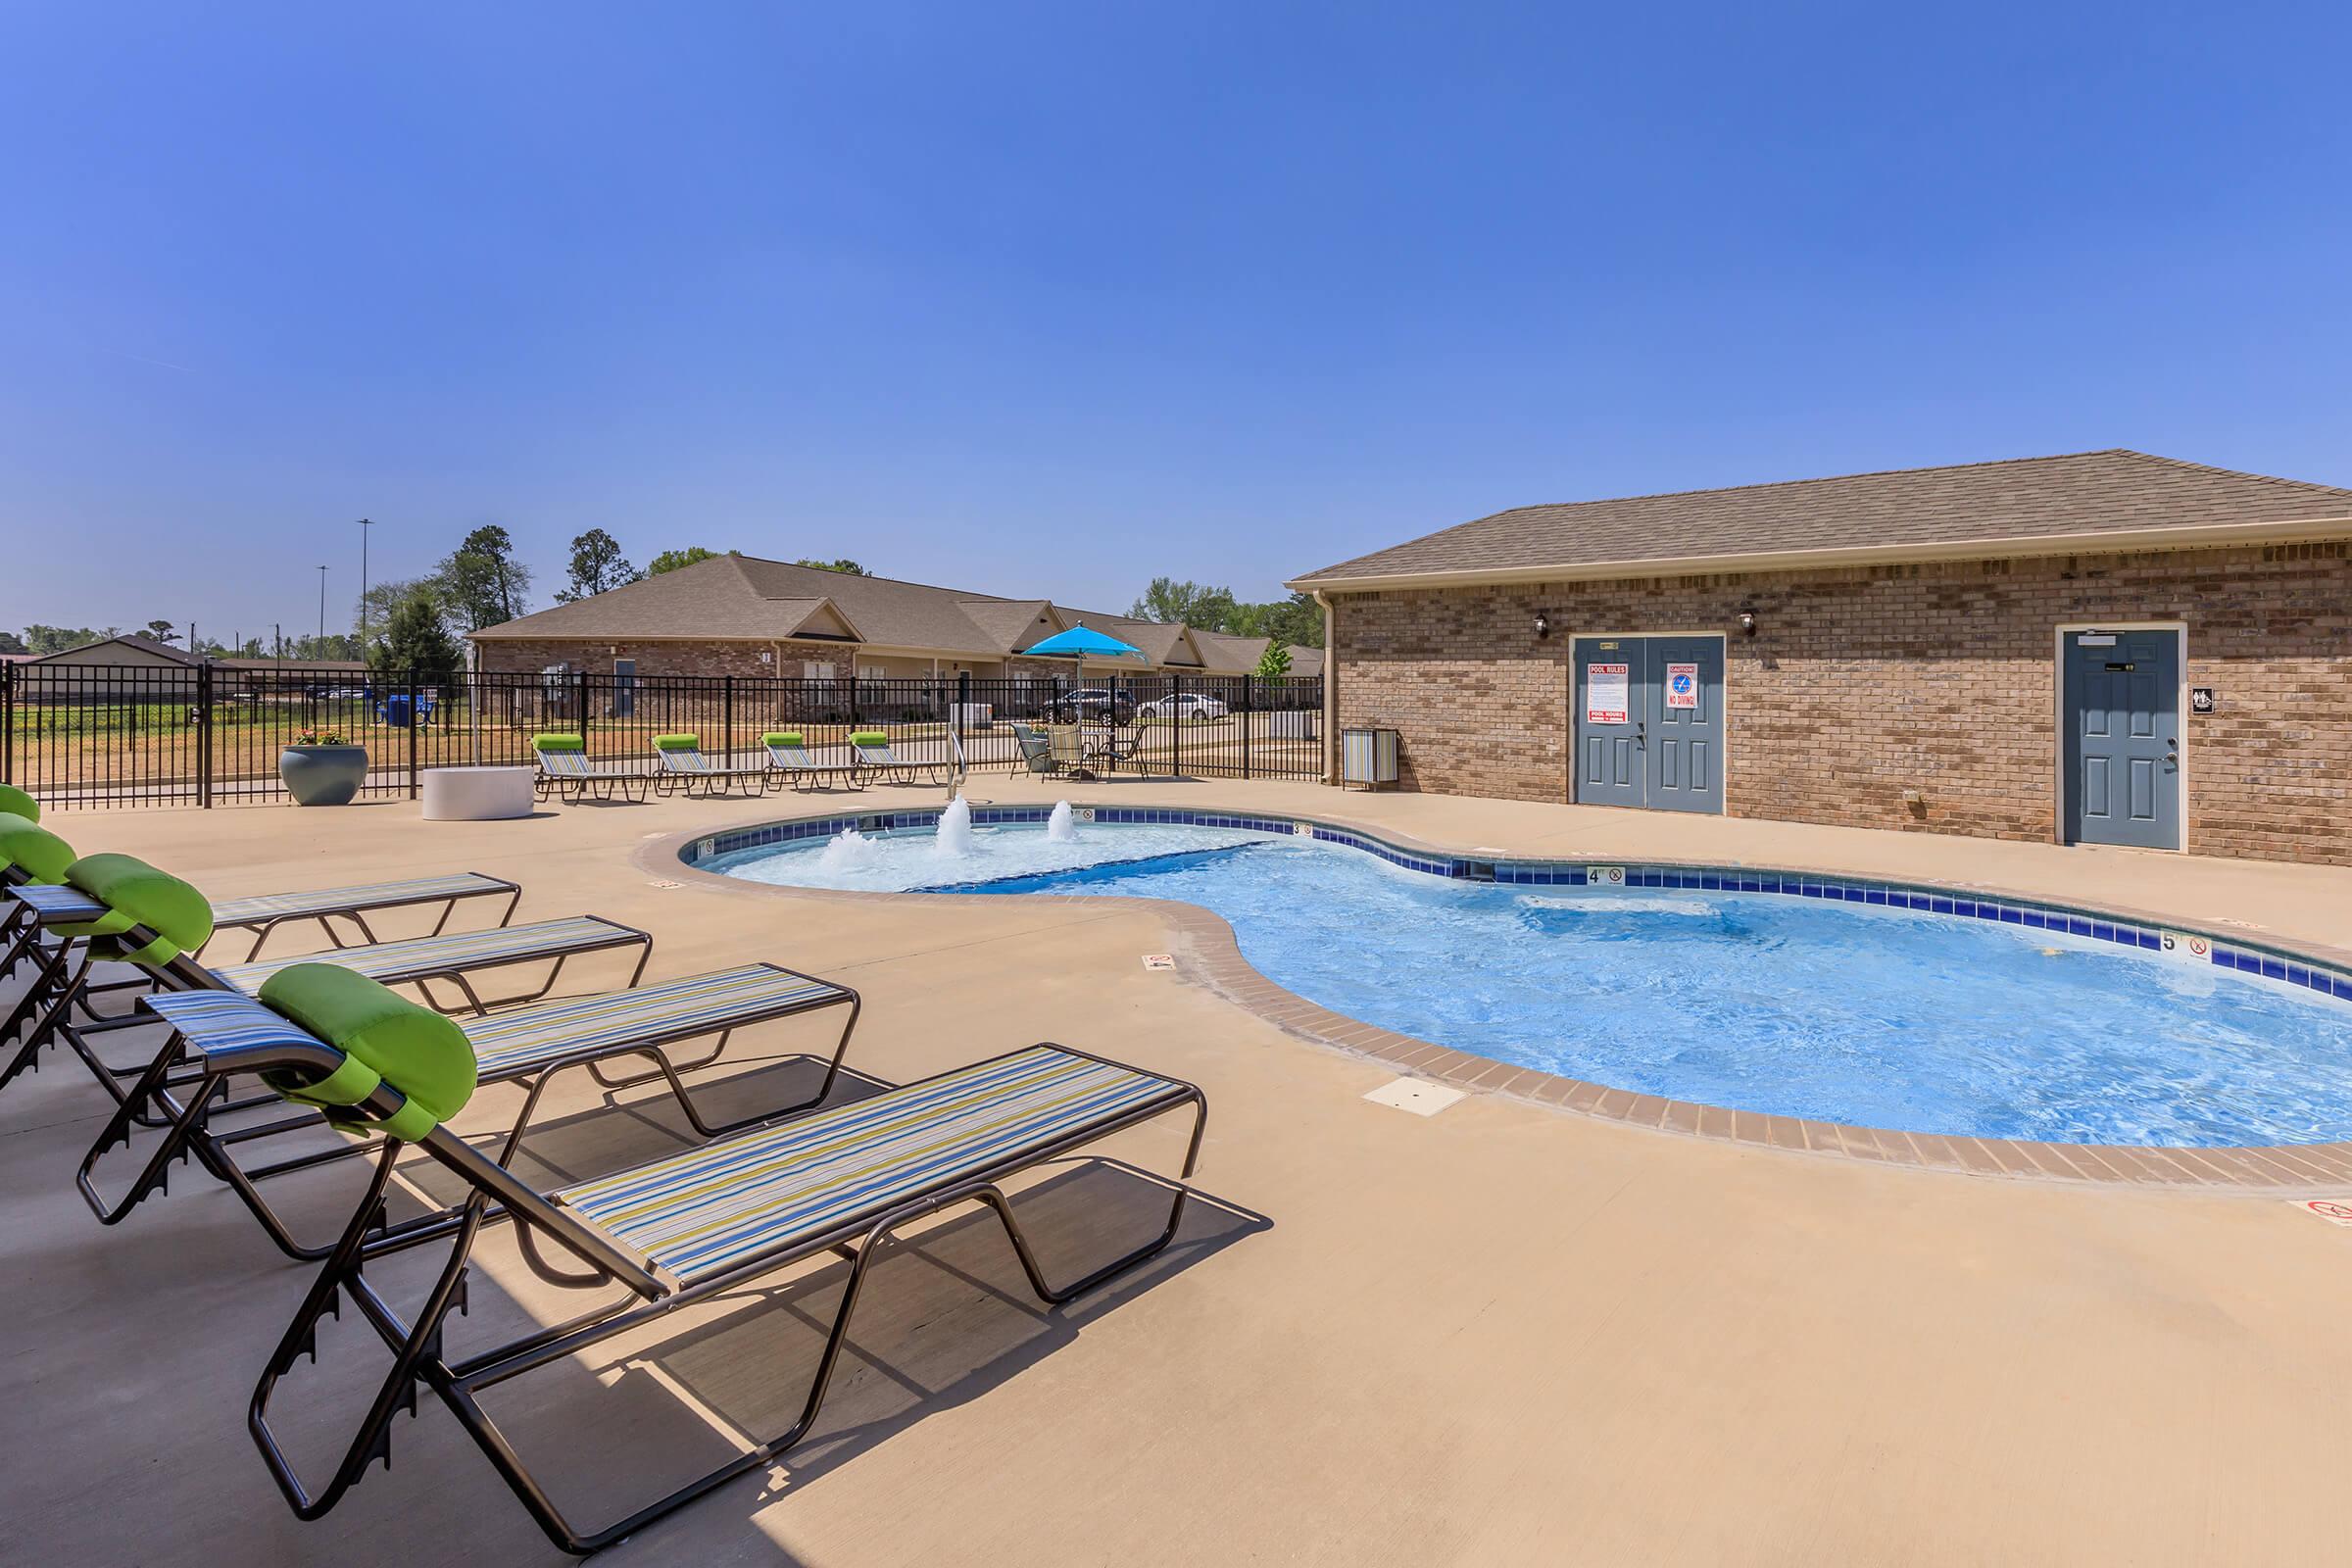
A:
1211, 954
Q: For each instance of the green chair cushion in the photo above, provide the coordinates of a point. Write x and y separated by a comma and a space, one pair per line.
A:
558, 743
136, 894
678, 743
13, 802
781, 737
869, 737
384, 1036
33, 850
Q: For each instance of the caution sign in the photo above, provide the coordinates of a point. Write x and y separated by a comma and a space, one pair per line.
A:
1605, 693
1681, 685
2335, 1211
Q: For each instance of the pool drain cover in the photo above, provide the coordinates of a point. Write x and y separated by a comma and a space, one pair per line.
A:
1421, 1097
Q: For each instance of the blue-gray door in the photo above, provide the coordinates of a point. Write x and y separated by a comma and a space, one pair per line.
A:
1612, 722
2122, 718
1648, 716
1686, 725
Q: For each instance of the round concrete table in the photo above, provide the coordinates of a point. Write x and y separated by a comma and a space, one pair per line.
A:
478, 793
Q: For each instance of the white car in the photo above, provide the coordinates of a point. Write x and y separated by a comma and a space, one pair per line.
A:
1184, 705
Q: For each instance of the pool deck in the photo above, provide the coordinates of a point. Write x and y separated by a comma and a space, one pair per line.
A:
1504, 1333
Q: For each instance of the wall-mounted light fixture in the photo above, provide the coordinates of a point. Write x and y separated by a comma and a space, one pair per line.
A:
1747, 621
1542, 625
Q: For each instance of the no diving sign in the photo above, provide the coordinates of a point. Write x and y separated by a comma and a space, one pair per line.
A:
1681, 685
2334, 1210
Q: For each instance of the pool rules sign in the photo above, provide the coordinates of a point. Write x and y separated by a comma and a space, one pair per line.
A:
1605, 693
1681, 685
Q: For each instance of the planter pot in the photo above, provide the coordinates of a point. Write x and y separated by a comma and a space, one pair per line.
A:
322, 775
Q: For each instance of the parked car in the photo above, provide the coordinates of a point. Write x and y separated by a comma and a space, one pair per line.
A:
1092, 703
1183, 704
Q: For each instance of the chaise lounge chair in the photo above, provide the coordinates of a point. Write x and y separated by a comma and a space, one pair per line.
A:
157, 924
663, 1235
523, 1045
789, 763
681, 760
871, 750
565, 772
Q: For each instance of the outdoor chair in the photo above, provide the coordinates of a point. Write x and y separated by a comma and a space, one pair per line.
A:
835, 1184
871, 750
527, 1046
1110, 746
1037, 748
789, 763
30, 855
565, 772
157, 924
682, 761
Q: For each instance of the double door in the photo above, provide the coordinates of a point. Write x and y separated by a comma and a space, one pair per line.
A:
1649, 719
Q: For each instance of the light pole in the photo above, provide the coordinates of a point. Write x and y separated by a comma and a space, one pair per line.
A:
365, 525
319, 649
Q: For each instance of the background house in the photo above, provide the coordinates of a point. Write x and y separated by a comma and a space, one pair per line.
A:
743, 615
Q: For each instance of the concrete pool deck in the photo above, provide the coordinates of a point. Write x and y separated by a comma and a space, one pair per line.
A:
1500, 1334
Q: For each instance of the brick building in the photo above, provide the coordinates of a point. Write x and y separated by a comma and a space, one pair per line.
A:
2106, 647
738, 615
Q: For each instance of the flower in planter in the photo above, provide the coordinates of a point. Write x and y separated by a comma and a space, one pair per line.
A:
321, 737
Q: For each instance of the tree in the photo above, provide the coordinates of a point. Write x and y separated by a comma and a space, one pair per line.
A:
844, 565
481, 583
57, 639
597, 567
377, 603
11, 643
1298, 620
1167, 600
1275, 662
161, 631
672, 559
413, 641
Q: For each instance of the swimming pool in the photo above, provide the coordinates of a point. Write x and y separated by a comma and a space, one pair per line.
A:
1834, 999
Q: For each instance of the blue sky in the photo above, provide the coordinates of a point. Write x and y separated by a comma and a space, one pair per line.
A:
1053, 298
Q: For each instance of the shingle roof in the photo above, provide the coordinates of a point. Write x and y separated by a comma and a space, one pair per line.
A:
744, 598
135, 640
2020, 502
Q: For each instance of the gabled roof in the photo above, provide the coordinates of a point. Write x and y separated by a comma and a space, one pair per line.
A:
138, 641
2089, 500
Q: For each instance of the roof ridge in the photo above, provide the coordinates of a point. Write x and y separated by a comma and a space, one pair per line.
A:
875, 577
1831, 479
2233, 473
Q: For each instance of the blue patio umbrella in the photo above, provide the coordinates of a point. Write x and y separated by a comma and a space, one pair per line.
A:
1080, 643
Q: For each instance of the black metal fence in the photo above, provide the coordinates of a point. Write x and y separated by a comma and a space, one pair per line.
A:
121, 735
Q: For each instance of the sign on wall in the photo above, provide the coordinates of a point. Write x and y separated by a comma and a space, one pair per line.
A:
1605, 693
2200, 698
1681, 685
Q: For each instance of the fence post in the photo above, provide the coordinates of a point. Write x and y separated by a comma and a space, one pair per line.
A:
1249, 718
963, 703
415, 723
580, 696
204, 735
8, 723
1176, 726
726, 710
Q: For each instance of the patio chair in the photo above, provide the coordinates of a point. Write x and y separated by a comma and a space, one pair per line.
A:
665, 1236
1037, 748
1111, 745
157, 924
871, 750
565, 772
789, 763
527, 1046
682, 760
30, 855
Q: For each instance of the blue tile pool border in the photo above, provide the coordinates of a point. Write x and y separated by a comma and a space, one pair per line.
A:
2227, 952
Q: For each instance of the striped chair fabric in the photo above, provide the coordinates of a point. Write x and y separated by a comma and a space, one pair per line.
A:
61, 904
511, 1043
426, 956
565, 765
731, 1202
336, 901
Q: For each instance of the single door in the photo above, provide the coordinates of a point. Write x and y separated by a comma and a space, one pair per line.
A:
2121, 714
1685, 732
624, 687
1612, 721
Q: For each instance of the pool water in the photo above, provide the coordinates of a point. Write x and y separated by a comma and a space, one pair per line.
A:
1839, 1011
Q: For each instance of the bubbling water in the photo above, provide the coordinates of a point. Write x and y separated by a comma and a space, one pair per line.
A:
1060, 828
955, 830
848, 851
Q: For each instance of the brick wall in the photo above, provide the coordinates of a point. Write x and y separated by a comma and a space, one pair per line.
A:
1862, 683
